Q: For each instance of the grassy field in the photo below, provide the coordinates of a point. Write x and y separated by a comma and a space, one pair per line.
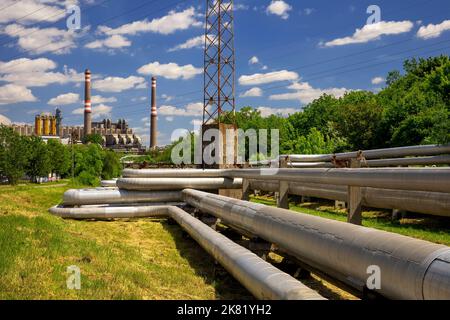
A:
434, 229
143, 259
134, 259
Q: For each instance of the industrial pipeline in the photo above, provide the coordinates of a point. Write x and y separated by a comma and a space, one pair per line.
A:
262, 279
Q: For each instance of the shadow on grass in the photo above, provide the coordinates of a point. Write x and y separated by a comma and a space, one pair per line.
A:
226, 287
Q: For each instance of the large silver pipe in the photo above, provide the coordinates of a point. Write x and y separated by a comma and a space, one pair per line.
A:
414, 161
109, 183
114, 196
410, 268
433, 203
262, 279
173, 173
425, 179
178, 183
426, 150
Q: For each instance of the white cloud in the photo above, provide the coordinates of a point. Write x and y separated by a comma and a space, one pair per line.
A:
276, 76
433, 30
12, 93
168, 24
100, 99
279, 8
169, 119
372, 32
113, 42
31, 11
97, 111
37, 41
191, 110
378, 80
305, 93
170, 71
196, 42
253, 92
268, 111
37, 73
64, 99
4, 120
253, 60
118, 84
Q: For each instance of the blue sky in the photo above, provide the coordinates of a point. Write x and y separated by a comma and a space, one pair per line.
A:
287, 53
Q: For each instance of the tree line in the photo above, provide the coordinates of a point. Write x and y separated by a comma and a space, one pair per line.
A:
30, 156
412, 109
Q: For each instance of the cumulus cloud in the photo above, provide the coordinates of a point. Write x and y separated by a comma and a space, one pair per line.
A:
279, 8
37, 40
253, 92
100, 99
196, 42
37, 73
378, 80
170, 71
264, 78
433, 30
268, 111
113, 42
172, 22
253, 60
97, 111
12, 93
371, 32
118, 84
32, 11
64, 99
191, 110
305, 93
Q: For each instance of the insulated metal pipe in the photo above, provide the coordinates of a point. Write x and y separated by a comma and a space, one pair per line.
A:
114, 196
178, 183
261, 278
425, 179
432, 203
410, 268
414, 161
426, 150
109, 183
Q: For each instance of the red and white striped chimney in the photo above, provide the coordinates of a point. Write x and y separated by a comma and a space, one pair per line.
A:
87, 103
153, 117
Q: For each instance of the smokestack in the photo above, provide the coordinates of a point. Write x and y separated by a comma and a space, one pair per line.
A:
154, 116
87, 104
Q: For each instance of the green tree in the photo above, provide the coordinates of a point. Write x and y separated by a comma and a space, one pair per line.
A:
13, 155
60, 157
112, 168
88, 163
93, 138
39, 164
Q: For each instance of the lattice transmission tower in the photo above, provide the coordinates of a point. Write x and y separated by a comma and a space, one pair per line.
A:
219, 64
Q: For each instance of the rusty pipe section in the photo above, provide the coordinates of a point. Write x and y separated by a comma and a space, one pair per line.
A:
410, 268
150, 184
261, 278
81, 197
432, 203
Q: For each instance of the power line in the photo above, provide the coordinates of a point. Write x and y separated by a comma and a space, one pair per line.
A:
309, 79
10, 5
109, 19
63, 11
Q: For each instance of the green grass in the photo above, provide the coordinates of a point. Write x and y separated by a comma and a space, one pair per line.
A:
134, 259
434, 229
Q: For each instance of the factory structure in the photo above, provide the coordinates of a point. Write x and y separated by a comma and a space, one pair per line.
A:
117, 136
